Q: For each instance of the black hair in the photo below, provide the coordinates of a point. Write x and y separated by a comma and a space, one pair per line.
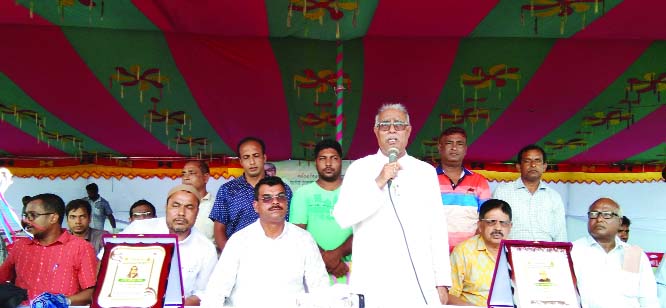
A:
529, 148
452, 130
52, 203
270, 181
491, 204
203, 166
327, 144
626, 221
78, 204
248, 139
143, 202
92, 187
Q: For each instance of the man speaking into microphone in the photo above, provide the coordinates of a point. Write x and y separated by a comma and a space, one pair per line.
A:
392, 202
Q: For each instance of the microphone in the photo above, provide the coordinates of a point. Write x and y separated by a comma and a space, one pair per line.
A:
393, 157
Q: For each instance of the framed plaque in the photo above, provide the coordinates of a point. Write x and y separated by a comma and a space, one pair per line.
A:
139, 271
534, 274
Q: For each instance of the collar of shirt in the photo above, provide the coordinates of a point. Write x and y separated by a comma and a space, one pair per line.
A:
465, 171
206, 197
590, 241
518, 184
85, 236
64, 237
285, 231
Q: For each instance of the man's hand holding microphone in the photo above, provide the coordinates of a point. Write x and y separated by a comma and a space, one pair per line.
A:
390, 170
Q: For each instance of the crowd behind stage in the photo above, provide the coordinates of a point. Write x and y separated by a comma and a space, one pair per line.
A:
396, 230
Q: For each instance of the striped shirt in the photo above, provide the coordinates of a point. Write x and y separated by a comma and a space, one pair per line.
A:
461, 202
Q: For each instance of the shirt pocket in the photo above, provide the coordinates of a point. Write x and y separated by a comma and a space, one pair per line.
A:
629, 284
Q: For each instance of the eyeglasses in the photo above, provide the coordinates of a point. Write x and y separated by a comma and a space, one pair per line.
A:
397, 125
528, 161
33, 215
142, 214
281, 197
605, 214
492, 222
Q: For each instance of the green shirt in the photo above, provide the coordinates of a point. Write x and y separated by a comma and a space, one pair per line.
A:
312, 206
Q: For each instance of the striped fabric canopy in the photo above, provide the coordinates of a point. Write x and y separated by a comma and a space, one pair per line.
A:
171, 78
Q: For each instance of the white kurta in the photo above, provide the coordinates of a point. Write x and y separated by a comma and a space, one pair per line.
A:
603, 283
257, 271
381, 268
198, 256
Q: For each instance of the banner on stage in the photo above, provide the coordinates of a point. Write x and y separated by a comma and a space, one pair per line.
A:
139, 271
534, 274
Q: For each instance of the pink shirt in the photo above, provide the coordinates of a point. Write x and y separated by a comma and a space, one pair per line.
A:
67, 266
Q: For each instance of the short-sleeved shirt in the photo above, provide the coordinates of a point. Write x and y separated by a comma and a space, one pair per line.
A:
462, 201
100, 210
66, 266
233, 205
312, 206
472, 269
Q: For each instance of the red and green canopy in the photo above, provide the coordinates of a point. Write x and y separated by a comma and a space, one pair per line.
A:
178, 78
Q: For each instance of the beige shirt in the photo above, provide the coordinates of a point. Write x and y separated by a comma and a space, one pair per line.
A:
203, 223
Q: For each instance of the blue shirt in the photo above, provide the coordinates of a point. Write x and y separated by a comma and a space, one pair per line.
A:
233, 205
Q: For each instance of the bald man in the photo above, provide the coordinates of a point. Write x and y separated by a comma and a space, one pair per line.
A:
610, 272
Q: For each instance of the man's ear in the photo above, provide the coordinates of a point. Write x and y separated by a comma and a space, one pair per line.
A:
255, 204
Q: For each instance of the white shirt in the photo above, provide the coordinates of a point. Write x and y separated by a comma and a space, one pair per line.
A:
660, 276
203, 223
382, 269
257, 271
536, 217
198, 255
603, 283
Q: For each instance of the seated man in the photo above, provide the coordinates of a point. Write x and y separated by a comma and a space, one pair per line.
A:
53, 261
78, 220
270, 261
142, 209
610, 272
197, 253
473, 260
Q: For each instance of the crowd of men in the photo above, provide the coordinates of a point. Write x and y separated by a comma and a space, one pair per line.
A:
397, 214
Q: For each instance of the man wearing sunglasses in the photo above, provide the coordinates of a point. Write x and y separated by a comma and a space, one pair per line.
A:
270, 262
232, 209
53, 260
473, 260
610, 272
141, 210
393, 203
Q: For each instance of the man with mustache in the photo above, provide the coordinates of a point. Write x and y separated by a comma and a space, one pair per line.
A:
53, 260
232, 209
473, 260
78, 213
271, 261
197, 173
197, 253
312, 206
610, 272
393, 203
538, 210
